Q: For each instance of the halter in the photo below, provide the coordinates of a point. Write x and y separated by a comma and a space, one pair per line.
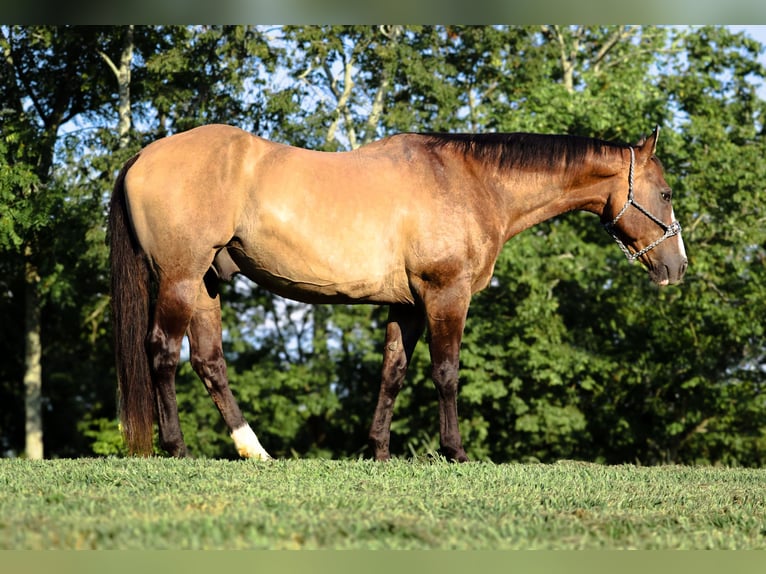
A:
669, 230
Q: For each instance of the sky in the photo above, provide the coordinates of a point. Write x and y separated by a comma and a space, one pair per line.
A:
756, 33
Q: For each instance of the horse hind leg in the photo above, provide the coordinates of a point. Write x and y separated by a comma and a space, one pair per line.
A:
172, 313
208, 362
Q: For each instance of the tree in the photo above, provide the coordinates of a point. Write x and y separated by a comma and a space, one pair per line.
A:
15, 216
570, 352
717, 404
122, 75
618, 371
48, 79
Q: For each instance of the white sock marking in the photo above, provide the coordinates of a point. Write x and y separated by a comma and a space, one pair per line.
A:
248, 445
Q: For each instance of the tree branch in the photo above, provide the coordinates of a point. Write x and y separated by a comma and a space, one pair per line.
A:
392, 33
620, 34
341, 107
567, 59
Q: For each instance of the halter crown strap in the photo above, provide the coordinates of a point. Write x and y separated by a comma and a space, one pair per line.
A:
669, 230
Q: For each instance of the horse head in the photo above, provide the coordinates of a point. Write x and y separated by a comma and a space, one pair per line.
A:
644, 224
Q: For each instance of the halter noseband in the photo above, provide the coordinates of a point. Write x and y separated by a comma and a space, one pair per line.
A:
669, 230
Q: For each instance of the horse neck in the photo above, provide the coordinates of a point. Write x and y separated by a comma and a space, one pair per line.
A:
531, 196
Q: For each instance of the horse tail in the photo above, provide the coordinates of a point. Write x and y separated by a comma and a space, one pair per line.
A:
130, 290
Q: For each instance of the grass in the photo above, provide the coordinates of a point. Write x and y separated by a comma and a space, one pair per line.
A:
161, 503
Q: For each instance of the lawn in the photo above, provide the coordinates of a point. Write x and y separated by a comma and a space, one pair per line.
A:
162, 503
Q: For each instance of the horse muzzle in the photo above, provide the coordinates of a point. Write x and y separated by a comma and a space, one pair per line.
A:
668, 273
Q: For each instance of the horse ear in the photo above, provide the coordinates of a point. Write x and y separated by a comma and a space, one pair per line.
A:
648, 145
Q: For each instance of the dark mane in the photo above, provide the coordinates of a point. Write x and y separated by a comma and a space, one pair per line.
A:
524, 150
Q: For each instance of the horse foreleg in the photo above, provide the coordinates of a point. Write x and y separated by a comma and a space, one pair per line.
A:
209, 363
446, 320
404, 328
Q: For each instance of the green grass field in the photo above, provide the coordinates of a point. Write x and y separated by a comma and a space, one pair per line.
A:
162, 503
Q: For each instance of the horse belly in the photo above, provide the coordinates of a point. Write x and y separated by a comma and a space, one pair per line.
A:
318, 276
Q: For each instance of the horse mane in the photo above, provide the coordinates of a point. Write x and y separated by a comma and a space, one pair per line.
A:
532, 151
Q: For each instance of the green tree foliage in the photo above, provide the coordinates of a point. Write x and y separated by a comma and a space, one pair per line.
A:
15, 216
719, 169
49, 77
570, 352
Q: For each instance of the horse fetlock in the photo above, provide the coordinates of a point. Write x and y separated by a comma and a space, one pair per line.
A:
454, 454
174, 446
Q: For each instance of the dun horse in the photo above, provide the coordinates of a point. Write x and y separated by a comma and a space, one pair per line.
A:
413, 221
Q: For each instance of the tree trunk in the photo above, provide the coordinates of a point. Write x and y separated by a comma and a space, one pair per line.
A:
122, 73
33, 379
123, 79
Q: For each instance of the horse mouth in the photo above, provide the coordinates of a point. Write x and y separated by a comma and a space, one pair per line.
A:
663, 275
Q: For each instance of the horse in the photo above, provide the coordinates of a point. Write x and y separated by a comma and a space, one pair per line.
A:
414, 221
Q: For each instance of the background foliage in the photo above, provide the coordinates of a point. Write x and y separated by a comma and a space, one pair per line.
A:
570, 353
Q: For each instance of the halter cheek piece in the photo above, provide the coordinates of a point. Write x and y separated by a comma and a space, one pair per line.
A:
669, 230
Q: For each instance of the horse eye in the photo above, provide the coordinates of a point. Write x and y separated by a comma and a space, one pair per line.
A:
666, 195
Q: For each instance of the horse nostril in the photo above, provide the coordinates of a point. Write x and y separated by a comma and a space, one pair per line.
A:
682, 269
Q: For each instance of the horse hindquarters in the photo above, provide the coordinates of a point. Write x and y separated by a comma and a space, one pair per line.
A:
145, 366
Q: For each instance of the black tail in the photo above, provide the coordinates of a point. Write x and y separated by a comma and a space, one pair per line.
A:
130, 322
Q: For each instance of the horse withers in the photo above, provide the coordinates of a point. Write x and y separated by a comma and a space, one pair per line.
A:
413, 221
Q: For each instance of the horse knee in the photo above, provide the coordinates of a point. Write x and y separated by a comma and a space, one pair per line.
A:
445, 377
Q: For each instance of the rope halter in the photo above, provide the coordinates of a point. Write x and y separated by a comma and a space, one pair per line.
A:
611, 228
